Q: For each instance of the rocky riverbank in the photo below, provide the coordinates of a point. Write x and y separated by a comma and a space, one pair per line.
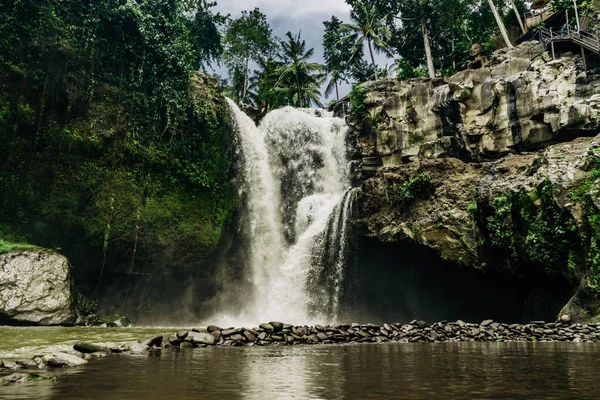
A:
278, 334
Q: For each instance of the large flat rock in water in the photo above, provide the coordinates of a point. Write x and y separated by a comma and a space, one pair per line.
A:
35, 288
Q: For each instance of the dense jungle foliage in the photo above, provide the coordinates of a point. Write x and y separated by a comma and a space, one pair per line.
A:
114, 149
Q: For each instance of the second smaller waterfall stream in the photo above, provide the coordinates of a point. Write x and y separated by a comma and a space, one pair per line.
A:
330, 255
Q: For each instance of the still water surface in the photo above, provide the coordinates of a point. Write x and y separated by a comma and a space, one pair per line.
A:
390, 371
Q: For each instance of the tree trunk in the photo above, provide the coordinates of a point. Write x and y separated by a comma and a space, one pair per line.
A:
300, 101
373, 59
500, 24
245, 81
453, 48
430, 66
518, 14
337, 92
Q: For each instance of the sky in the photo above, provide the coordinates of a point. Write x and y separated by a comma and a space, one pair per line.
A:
293, 16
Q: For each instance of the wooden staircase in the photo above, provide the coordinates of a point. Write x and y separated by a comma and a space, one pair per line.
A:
587, 40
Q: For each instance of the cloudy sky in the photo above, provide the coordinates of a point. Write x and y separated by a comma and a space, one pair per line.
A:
293, 16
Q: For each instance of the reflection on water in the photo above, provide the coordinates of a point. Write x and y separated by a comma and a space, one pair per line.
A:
403, 371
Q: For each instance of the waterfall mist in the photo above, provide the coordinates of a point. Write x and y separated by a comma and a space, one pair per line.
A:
295, 191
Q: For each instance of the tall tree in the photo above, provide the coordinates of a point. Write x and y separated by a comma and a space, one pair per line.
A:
263, 86
420, 15
337, 55
370, 26
248, 38
205, 36
297, 74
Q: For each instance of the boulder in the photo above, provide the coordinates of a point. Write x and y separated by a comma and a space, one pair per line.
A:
201, 338
88, 348
278, 326
36, 288
267, 328
62, 360
152, 341
14, 378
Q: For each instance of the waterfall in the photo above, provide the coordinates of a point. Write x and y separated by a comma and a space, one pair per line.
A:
297, 202
330, 256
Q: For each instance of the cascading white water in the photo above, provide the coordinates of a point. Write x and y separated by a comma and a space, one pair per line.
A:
330, 253
295, 174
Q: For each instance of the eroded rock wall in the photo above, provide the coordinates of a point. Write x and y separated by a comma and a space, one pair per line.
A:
522, 100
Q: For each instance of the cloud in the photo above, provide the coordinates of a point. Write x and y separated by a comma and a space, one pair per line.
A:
289, 8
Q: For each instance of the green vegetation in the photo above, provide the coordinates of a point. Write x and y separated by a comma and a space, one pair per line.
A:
298, 78
337, 56
285, 76
369, 24
115, 149
430, 37
357, 102
530, 228
416, 187
6, 246
591, 230
248, 38
472, 208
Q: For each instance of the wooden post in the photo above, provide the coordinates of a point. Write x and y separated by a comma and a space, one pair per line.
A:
583, 56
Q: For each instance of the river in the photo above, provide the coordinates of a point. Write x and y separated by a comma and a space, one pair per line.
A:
360, 371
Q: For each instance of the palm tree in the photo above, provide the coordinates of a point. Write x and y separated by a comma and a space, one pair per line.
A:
336, 78
298, 76
371, 26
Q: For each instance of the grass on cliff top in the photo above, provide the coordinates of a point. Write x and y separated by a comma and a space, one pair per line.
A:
6, 246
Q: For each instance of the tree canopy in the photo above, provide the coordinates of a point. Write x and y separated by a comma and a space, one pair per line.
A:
247, 38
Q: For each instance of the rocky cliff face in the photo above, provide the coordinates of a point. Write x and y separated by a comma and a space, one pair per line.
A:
469, 169
36, 288
522, 100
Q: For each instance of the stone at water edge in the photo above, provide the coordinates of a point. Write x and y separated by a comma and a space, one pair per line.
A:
278, 326
9, 365
88, 348
136, 347
181, 334
487, 322
36, 288
565, 319
267, 328
62, 360
250, 336
232, 331
213, 328
152, 341
14, 378
201, 338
